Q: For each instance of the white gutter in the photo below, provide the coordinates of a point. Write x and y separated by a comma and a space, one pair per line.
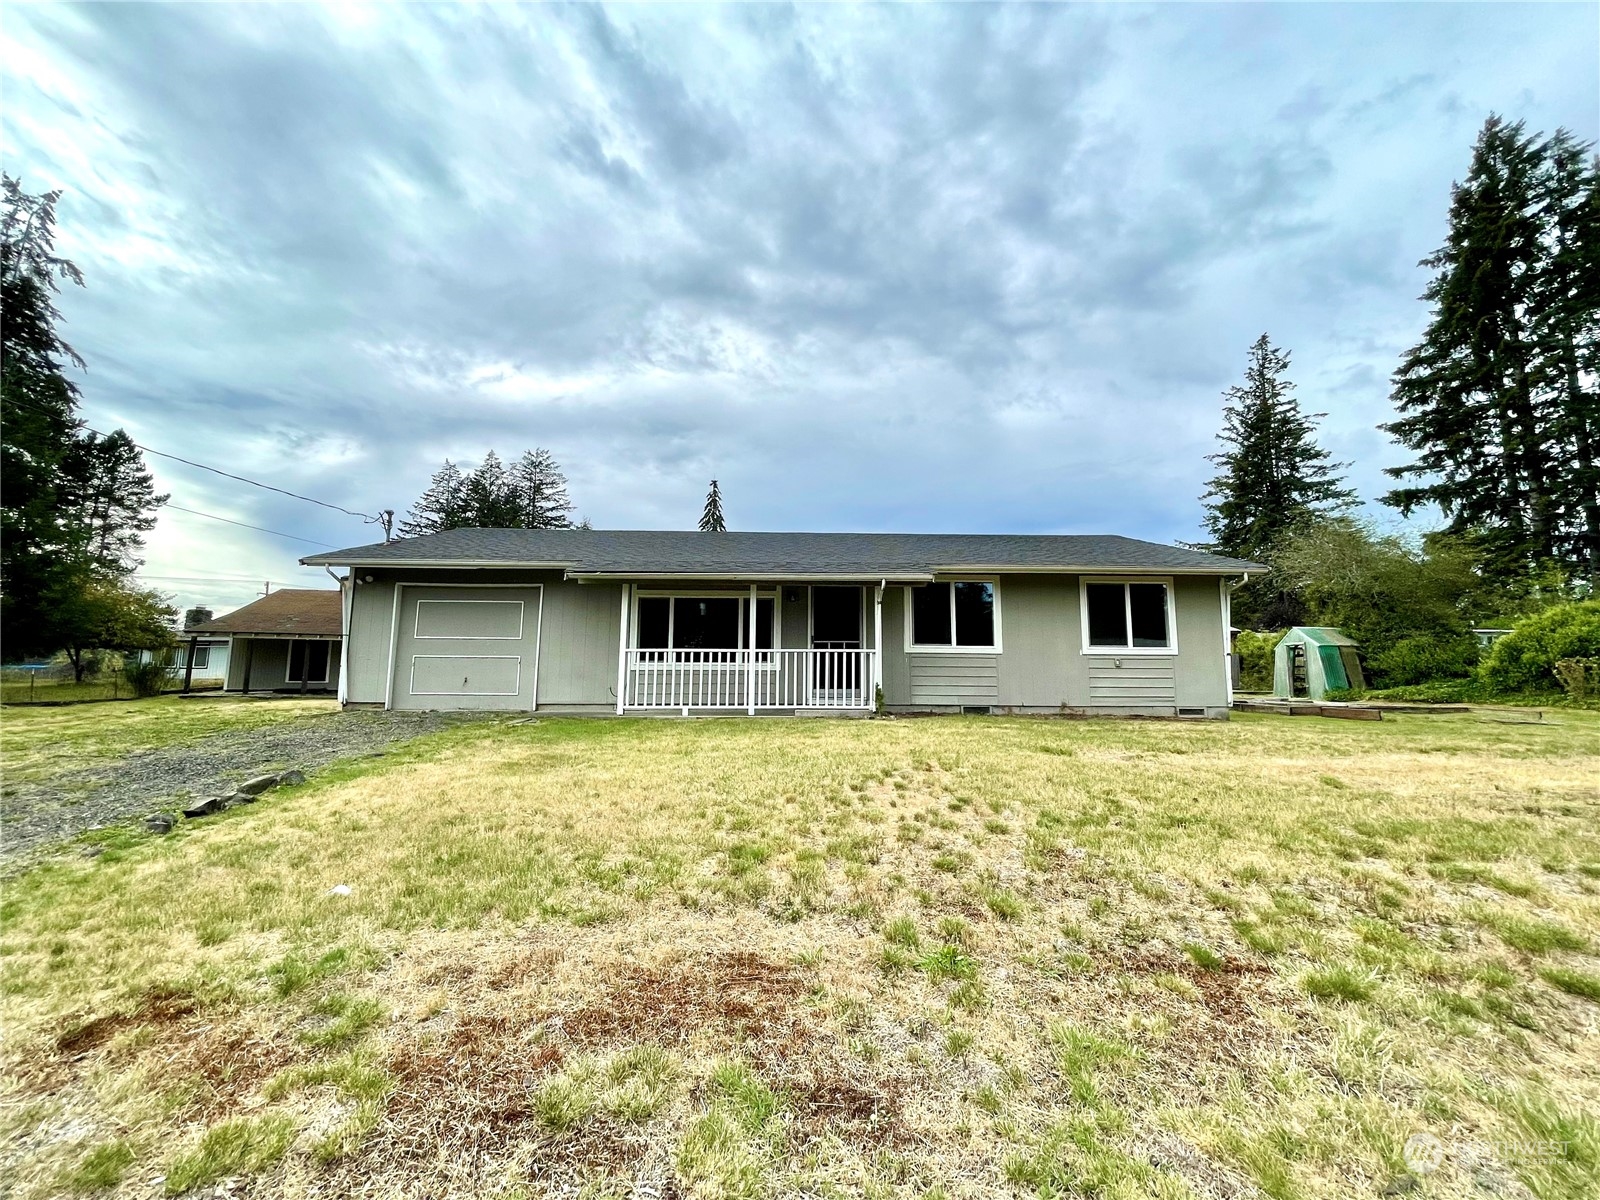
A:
746, 576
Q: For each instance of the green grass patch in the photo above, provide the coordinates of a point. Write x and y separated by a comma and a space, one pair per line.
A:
242, 1146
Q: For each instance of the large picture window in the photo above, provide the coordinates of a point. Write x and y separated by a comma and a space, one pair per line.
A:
703, 623
1127, 615
962, 615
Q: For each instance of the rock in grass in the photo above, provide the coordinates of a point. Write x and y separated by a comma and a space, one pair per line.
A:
206, 807
159, 823
261, 783
292, 778
233, 798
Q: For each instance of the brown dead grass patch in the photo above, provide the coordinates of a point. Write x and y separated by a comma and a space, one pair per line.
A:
158, 1007
737, 995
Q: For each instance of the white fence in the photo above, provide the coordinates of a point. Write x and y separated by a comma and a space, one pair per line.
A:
749, 679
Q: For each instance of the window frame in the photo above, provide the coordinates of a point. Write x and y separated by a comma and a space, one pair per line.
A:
1167, 651
201, 657
766, 656
908, 632
327, 668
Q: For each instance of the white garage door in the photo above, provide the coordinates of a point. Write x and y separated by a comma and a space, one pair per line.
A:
467, 647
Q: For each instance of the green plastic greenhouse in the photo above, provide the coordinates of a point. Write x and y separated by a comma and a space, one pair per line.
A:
1311, 661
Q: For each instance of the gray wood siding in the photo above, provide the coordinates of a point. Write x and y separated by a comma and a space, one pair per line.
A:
269, 665
1136, 681
945, 679
1203, 655
578, 648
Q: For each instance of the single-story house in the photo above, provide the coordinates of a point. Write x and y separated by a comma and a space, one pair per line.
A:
210, 658
287, 641
595, 621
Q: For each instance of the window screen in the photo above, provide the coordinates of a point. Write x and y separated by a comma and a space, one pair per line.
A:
202, 658
930, 614
1147, 607
974, 614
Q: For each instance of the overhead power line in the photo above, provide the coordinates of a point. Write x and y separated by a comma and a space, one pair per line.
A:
369, 518
254, 482
294, 537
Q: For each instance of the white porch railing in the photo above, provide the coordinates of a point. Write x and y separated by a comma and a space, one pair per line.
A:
749, 679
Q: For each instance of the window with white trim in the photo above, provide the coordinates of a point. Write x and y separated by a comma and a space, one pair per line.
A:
709, 623
961, 615
1127, 615
202, 657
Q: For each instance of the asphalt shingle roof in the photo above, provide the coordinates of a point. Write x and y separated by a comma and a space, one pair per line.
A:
312, 612
676, 552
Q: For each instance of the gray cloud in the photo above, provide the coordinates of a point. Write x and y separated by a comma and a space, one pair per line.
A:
918, 268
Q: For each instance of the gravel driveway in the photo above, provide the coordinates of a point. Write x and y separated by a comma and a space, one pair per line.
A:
36, 815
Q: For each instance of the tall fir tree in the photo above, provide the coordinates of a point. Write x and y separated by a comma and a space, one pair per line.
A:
1274, 477
1484, 437
111, 498
1564, 322
442, 506
74, 506
38, 421
711, 520
489, 497
531, 495
540, 490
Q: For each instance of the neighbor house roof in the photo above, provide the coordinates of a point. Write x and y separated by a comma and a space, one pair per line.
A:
643, 553
309, 612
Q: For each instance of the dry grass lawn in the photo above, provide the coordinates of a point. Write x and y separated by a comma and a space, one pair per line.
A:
938, 958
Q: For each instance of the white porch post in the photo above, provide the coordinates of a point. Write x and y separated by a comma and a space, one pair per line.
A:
622, 649
877, 644
750, 657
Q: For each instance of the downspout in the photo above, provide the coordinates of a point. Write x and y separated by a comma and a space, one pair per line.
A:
877, 643
347, 589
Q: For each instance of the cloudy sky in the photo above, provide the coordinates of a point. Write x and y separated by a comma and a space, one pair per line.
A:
959, 268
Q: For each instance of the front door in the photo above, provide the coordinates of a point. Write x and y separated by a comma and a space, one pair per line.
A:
836, 626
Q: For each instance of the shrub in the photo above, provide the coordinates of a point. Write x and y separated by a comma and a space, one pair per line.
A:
1579, 677
1255, 658
148, 678
1424, 658
1524, 660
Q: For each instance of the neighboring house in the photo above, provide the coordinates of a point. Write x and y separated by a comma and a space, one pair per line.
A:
590, 621
287, 641
210, 657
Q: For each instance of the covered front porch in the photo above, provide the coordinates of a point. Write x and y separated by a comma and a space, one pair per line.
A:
761, 647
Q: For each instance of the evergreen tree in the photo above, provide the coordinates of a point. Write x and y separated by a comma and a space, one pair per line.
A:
75, 505
540, 490
1564, 320
711, 519
1274, 476
1484, 437
111, 500
531, 495
489, 497
37, 418
442, 506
